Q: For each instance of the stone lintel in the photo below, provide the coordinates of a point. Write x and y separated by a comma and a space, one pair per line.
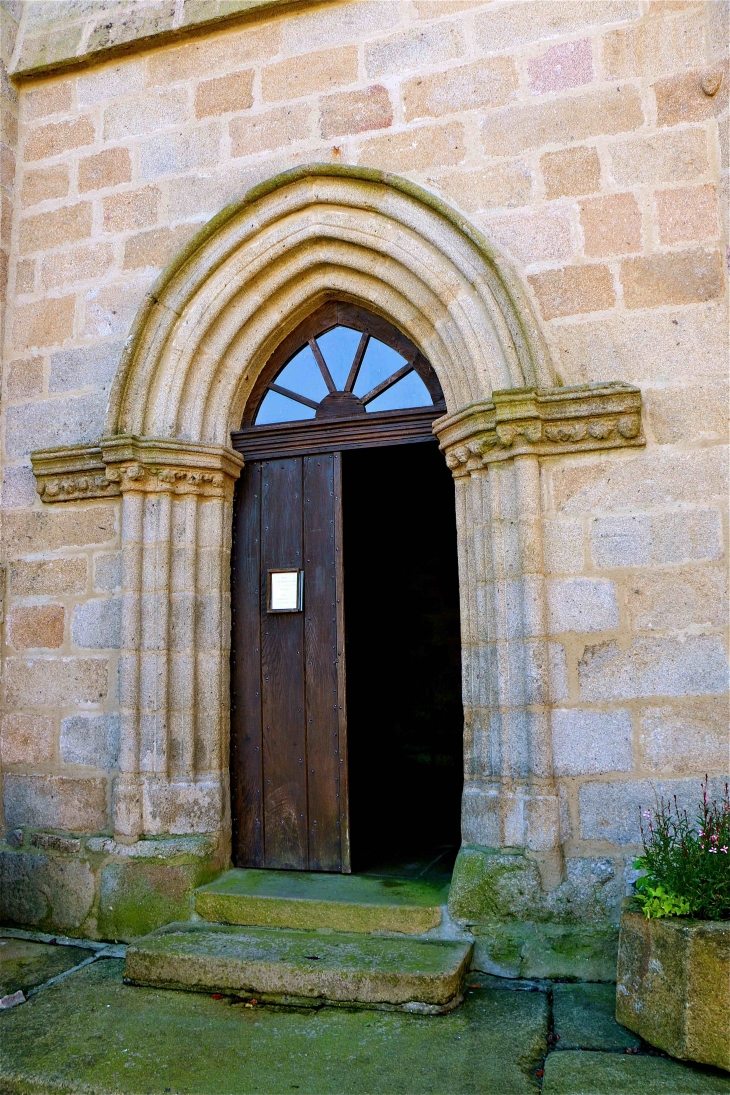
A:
541, 422
134, 463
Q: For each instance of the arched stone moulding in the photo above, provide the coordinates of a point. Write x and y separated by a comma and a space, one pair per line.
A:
202, 336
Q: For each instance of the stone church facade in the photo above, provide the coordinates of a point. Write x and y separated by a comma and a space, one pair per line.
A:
534, 193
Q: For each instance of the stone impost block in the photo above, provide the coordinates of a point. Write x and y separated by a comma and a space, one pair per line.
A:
67, 474
129, 463
541, 422
674, 985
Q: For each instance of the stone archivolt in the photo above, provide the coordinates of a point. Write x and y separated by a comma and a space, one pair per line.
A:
200, 341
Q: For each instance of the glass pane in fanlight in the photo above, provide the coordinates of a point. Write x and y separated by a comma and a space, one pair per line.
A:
277, 408
302, 376
378, 364
408, 392
338, 348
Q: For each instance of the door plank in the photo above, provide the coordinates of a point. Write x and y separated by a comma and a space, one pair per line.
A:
246, 740
282, 672
341, 667
320, 629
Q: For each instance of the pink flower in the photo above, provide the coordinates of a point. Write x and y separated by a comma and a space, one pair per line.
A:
646, 813
724, 848
713, 851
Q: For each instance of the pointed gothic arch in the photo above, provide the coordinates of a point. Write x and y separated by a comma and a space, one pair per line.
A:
200, 341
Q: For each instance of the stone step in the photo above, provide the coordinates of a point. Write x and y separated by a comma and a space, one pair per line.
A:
298, 899
282, 966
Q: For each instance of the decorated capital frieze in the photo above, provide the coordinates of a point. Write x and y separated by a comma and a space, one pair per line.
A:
144, 464
541, 422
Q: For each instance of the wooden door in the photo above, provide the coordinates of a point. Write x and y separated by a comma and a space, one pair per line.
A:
289, 751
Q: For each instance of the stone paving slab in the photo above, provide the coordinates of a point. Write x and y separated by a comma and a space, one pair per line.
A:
23, 964
576, 1073
280, 963
583, 1016
300, 899
93, 1035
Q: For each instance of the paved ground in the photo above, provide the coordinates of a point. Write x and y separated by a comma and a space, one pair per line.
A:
86, 1033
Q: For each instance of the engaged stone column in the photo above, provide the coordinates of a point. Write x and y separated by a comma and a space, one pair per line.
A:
173, 678
493, 449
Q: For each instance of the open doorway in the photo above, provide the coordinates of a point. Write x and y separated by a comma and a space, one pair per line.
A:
404, 708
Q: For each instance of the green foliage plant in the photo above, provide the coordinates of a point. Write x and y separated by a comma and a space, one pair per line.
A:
687, 863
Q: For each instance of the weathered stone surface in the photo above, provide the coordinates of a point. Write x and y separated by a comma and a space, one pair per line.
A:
581, 605
76, 420
611, 225
485, 83
108, 573
513, 129
497, 1036
413, 48
278, 963
96, 624
589, 742
39, 626
46, 323
137, 896
682, 278
653, 667
691, 735
583, 1017
55, 802
90, 739
84, 366
576, 1072
321, 71
522, 948
567, 65
24, 964
57, 681
111, 167
296, 899
26, 739
574, 289
224, 94
647, 347
46, 891
571, 171
650, 540
610, 811
674, 985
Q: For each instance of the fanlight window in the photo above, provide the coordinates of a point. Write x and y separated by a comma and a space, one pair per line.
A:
340, 373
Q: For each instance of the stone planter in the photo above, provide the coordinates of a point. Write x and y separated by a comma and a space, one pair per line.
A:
674, 985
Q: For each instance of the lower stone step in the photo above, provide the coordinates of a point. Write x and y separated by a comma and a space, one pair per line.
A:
302, 967
301, 899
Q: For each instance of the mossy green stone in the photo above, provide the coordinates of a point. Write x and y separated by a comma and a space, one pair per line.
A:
280, 963
583, 1017
93, 1035
298, 899
25, 964
577, 1073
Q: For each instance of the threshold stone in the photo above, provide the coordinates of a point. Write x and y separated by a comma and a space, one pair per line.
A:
300, 967
301, 899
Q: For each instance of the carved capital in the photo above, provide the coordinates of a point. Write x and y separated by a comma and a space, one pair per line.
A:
542, 422
173, 467
71, 474
135, 463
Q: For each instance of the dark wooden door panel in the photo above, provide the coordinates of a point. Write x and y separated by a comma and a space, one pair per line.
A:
282, 673
288, 724
246, 737
320, 629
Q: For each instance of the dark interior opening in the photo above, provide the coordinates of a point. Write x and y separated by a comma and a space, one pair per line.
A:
403, 658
